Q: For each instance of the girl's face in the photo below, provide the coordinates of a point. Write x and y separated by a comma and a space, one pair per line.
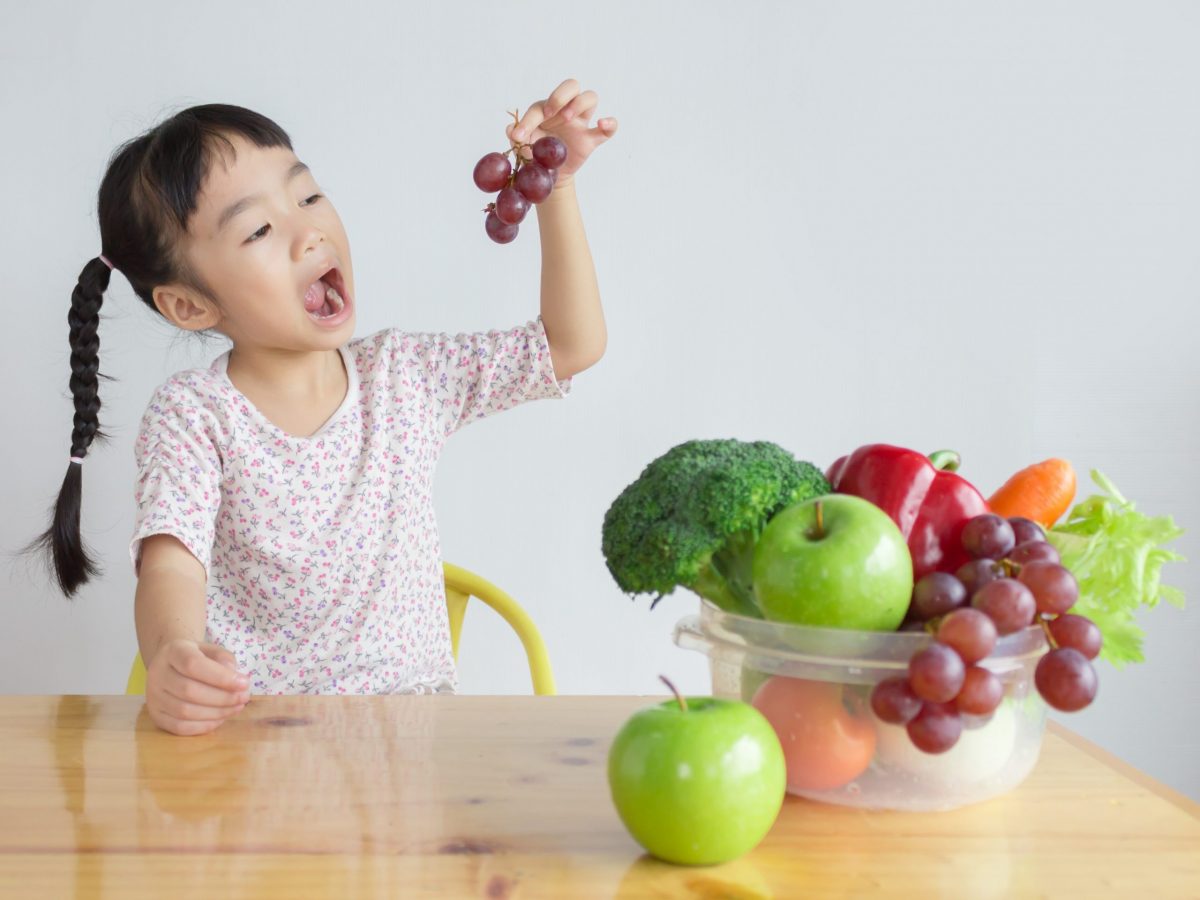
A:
262, 234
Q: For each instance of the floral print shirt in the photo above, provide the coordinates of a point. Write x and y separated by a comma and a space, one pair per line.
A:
322, 555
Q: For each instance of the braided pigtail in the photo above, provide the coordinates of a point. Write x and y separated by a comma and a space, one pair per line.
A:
63, 540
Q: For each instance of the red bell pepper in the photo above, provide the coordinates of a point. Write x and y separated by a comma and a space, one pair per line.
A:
923, 496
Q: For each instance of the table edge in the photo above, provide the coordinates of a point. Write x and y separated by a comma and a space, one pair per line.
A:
1134, 774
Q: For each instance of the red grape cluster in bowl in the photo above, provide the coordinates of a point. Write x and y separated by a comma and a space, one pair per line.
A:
1012, 580
529, 183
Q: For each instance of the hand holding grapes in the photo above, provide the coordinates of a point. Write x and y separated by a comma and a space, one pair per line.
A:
566, 114
549, 144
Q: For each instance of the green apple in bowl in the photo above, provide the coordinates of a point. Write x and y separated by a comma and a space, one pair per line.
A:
835, 561
697, 781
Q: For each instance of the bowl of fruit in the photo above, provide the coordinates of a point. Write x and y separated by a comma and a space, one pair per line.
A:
852, 729
904, 635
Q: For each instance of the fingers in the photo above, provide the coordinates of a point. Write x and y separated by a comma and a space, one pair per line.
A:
579, 107
182, 706
191, 688
200, 694
181, 710
186, 707
561, 96
529, 122
200, 666
526, 152
219, 653
183, 727
605, 128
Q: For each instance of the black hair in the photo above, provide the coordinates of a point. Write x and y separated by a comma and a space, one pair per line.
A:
146, 198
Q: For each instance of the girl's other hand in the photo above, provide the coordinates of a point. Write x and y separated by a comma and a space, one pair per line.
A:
566, 115
191, 688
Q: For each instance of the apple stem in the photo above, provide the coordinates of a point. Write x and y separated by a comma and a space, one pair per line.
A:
820, 522
675, 691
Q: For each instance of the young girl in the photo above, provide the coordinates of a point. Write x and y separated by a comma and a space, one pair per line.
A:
284, 537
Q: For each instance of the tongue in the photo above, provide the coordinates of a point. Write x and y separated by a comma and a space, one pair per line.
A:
315, 298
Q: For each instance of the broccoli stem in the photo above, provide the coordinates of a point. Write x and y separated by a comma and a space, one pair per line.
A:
728, 579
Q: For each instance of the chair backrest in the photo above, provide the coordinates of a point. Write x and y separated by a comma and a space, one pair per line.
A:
461, 585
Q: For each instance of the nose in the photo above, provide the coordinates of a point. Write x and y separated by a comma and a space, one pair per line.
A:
311, 237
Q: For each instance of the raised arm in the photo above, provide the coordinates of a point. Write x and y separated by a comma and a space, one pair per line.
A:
570, 295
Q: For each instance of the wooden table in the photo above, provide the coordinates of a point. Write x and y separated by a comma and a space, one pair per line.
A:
449, 796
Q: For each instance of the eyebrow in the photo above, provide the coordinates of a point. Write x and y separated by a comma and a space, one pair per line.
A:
246, 202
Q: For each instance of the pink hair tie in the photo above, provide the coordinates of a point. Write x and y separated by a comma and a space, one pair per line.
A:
106, 262
77, 459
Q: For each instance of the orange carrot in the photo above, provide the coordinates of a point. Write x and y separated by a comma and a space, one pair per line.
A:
1042, 492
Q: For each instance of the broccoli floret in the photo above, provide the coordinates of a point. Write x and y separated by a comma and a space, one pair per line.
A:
693, 516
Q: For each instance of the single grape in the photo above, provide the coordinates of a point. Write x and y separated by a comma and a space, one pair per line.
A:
491, 172
988, 537
1008, 602
969, 633
894, 702
936, 728
936, 594
936, 673
978, 572
981, 692
534, 182
1034, 551
1078, 633
549, 152
500, 232
970, 723
1025, 530
1054, 587
511, 206
1065, 679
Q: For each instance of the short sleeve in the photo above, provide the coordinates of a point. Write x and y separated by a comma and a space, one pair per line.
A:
179, 470
471, 376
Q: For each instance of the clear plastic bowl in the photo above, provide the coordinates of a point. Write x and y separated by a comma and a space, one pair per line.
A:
990, 758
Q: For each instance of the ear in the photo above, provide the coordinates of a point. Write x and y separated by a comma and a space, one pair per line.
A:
183, 308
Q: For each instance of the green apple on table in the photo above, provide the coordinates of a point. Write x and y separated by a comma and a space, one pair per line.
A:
835, 561
697, 781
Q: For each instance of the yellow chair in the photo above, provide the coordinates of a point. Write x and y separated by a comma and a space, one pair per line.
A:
461, 585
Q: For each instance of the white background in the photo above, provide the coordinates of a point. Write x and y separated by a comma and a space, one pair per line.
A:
973, 225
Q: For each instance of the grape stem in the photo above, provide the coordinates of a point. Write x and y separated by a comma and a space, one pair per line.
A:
516, 148
675, 691
1044, 621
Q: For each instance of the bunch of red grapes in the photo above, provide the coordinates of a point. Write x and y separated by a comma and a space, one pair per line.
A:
520, 188
1012, 580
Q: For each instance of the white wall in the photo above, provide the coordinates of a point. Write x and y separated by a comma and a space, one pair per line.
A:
968, 225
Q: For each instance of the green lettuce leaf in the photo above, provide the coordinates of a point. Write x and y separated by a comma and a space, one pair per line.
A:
1116, 555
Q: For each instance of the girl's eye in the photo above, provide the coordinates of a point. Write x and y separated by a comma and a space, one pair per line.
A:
262, 231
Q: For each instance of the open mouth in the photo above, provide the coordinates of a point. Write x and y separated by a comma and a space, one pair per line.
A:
327, 297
